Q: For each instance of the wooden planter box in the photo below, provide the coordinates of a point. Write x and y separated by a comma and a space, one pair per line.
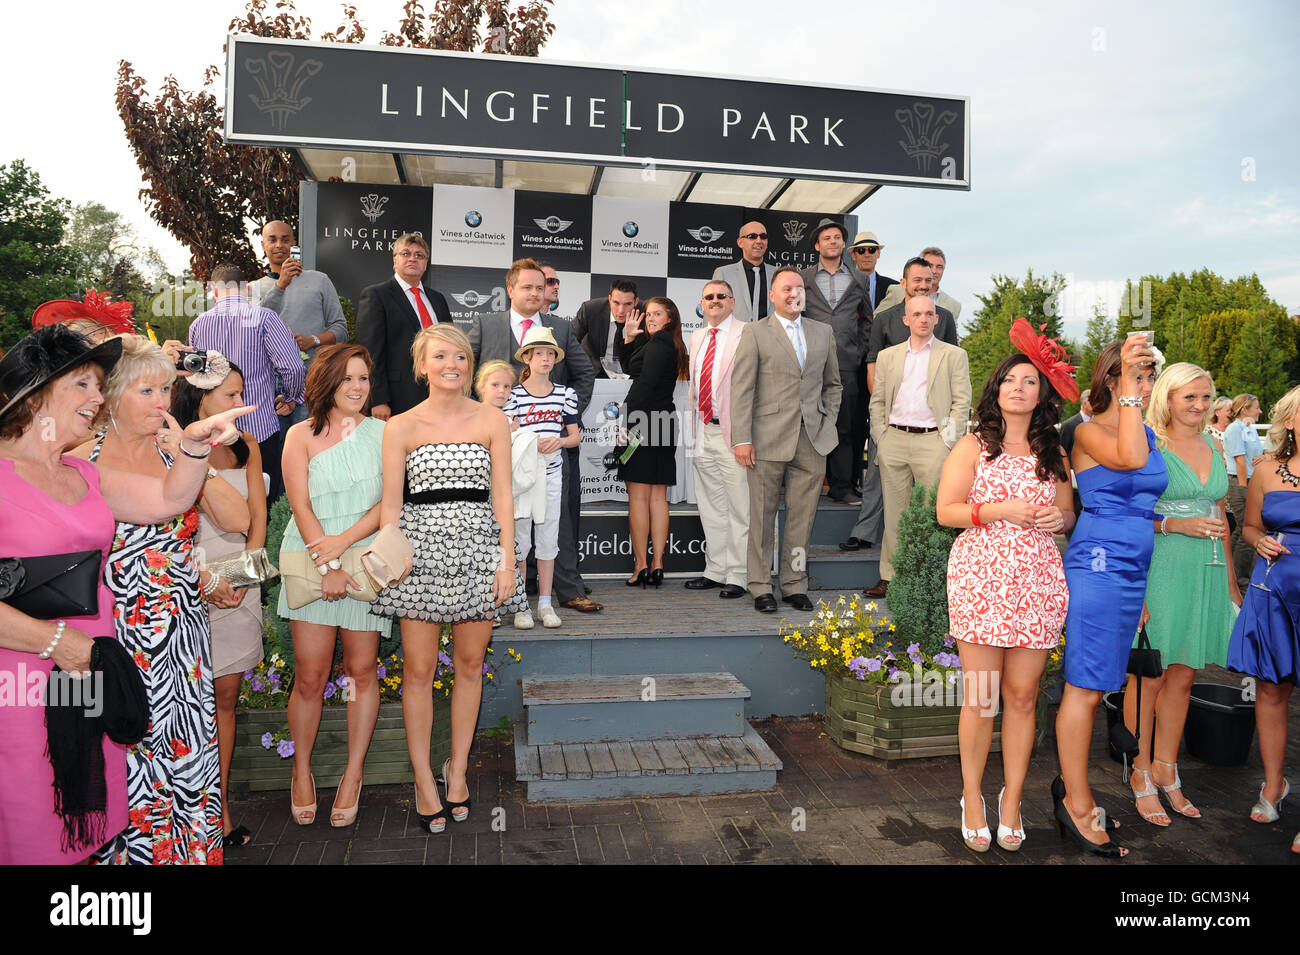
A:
255, 768
861, 718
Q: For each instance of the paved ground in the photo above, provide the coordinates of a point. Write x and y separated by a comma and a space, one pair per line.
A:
856, 810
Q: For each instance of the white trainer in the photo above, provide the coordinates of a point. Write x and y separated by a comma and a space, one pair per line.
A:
549, 617
524, 620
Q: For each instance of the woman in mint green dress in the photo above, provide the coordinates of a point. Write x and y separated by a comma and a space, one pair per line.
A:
1191, 589
332, 466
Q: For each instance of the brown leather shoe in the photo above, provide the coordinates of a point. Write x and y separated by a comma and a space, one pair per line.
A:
880, 590
583, 605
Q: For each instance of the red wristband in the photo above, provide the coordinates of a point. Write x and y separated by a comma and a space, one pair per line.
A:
975, 514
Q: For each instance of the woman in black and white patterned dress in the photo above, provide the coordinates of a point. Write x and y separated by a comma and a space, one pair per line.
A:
446, 466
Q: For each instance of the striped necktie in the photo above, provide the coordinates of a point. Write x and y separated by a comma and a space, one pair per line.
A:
706, 378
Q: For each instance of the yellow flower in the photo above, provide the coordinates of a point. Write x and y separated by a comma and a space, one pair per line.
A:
437, 684
488, 674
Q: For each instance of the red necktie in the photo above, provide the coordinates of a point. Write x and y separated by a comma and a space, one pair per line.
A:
706, 378
425, 318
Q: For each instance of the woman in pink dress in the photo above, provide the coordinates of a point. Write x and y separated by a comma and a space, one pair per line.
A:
1008, 484
54, 503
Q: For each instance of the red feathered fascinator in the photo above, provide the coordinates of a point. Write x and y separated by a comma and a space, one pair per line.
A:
115, 316
1048, 357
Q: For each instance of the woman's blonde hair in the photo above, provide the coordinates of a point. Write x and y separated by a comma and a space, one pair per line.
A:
1221, 402
141, 359
1280, 436
487, 370
1159, 413
441, 332
1240, 404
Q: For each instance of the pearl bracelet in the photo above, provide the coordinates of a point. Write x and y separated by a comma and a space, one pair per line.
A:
214, 581
58, 635
1130, 401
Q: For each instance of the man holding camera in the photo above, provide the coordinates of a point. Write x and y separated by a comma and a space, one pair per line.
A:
258, 341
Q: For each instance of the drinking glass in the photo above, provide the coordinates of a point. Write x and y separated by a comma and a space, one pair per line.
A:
1210, 508
1263, 585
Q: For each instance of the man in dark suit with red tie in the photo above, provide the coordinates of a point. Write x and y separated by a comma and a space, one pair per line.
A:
388, 318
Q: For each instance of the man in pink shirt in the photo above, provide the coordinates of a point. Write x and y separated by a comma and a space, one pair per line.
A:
919, 409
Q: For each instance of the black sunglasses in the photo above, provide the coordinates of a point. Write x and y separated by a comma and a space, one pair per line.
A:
754, 235
552, 281
871, 250
716, 295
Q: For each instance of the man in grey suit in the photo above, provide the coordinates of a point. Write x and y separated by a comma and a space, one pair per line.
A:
785, 396
498, 337
836, 296
749, 278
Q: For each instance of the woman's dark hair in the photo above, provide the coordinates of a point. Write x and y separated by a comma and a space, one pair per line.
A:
675, 325
1044, 439
1108, 366
185, 407
325, 376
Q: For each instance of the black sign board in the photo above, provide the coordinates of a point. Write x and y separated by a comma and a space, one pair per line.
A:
554, 227
339, 95
701, 237
790, 235
355, 227
605, 547
647, 286
470, 292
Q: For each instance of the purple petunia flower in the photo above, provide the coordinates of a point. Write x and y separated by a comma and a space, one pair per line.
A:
444, 659
894, 674
873, 664
382, 671
257, 684
285, 749
248, 674
267, 740
330, 689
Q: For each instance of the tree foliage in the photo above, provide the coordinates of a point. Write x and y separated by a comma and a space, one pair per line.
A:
1099, 333
918, 591
210, 194
34, 264
987, 339
109, 257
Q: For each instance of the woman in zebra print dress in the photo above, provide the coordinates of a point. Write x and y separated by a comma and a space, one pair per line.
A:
173, 774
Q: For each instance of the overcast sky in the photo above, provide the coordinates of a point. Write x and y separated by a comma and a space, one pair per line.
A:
1108, 139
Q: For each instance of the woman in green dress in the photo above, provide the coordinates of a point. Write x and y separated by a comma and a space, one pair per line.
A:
1190, 587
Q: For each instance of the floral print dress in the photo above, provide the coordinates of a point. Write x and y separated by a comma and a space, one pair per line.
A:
173, 774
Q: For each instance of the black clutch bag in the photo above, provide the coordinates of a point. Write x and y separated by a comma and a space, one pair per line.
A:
1143, 663
1143, 660
53, 586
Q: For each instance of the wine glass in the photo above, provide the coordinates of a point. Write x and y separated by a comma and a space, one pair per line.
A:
1209, 508
1263, 585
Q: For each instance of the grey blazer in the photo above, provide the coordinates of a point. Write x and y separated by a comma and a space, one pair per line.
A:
771, 397
741, 280
850, 319
492, 338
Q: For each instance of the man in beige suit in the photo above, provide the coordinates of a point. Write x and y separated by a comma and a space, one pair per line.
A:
785, 395
918, 411
721, 484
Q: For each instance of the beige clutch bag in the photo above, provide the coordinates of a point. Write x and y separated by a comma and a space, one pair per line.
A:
244, 569
385, 557
302, 580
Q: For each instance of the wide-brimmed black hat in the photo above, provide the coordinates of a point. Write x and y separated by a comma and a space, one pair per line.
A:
46, 354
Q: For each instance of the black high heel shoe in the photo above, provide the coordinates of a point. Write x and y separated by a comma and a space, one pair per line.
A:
448, 803
435, 823
657, 577
1058, 795
640, 580
1107, 850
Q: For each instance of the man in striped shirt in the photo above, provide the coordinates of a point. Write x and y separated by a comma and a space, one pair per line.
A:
258, 341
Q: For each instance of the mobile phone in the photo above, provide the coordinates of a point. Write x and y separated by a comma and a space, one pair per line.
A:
295, 252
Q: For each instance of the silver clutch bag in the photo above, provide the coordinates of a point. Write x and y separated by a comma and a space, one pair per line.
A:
244, 569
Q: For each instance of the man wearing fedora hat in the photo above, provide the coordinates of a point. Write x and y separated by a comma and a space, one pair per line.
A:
836, 296
499, 336
866, 249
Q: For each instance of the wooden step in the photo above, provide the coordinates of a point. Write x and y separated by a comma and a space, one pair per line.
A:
582, 708
578, 772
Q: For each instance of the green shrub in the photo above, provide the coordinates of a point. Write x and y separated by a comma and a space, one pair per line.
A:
918, 592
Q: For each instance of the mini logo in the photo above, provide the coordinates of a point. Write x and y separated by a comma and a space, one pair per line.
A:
794, 230
473, 218
610, 411
705, 234
471, 298
630, 229
553, 224
280, 85
923, 131
372, 206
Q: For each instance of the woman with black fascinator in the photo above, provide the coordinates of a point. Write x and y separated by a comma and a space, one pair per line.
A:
1008, 484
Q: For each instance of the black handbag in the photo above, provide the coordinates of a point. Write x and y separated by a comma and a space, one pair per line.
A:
1143, 663
55, 585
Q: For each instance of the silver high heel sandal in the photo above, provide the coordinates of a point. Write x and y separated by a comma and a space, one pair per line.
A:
1189, 811
1265, 811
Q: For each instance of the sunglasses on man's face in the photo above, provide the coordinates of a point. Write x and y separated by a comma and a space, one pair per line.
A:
715, 296
552, 281
754, 235
869, 250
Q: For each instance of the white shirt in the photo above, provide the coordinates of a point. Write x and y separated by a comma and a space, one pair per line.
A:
517, 324
723, 327
792, 331
410, 296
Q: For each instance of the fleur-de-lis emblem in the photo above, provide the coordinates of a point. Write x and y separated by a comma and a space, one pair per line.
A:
372, 205
924, 131
281, 85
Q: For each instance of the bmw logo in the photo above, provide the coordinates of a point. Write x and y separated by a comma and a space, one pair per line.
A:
699, 311
630, 229
473, 218
610, 411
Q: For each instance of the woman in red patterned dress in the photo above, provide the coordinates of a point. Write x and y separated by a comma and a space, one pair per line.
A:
1008, 484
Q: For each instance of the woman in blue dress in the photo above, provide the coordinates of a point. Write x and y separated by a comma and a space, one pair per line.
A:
1119, 480
1264, 641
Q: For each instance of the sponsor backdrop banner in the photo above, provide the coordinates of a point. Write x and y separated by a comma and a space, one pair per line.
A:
629, 236
555, 227
470, 291
701, 237
355, 228
473, 226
